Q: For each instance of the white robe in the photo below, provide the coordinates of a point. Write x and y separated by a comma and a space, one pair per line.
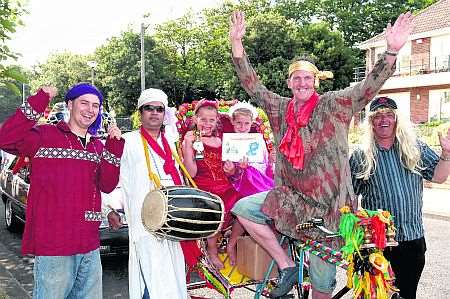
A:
157, 263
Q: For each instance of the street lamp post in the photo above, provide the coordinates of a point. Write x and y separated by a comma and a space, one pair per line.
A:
23, 93
92, 64
143, 27
142, 58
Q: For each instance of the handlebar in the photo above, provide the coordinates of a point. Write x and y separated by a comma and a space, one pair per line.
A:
318, 223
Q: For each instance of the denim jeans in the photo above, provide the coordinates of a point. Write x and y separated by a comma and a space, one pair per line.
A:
322, 274
70, 277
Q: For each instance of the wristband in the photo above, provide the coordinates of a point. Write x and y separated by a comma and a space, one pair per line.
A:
391, 53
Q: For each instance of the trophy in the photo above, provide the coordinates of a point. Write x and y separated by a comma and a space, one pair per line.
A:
198, 146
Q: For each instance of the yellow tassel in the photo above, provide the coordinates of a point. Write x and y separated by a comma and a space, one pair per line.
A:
381, 289
366, 286
350, 271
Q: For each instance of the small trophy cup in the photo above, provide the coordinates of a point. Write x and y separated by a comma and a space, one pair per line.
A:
198, 146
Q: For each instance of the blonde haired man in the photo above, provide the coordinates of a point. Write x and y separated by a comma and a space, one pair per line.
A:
388, 171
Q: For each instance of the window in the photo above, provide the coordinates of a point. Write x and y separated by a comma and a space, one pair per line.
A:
439, 105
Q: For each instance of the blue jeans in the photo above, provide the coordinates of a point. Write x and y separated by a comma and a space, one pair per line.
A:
322, 274
73, 277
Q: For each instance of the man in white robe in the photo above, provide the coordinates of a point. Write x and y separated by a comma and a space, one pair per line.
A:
156, 266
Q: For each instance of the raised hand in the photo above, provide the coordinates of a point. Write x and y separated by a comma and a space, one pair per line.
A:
50, 90
237, 25
397, 34
444, 140
114, 131
189, 139
237, 32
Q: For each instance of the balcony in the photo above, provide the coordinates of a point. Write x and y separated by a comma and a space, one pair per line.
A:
412, 66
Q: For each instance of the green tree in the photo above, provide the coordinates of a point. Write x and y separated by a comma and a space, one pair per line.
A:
199, 50
9, 100
61, 70
10, 13
357, 20
118, 70
183, 40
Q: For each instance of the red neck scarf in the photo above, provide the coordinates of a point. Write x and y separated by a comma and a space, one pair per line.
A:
166, 154
292, 145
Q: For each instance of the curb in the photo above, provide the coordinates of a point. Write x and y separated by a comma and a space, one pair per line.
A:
9, 285
435, 215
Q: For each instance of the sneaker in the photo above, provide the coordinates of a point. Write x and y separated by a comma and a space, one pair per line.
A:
288, 277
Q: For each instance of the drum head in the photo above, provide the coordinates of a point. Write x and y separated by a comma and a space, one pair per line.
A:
154, 210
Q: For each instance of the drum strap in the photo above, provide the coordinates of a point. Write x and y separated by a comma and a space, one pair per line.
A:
154, 177
183, 168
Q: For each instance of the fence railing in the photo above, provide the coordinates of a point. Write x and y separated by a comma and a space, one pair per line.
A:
417, 65
124, 123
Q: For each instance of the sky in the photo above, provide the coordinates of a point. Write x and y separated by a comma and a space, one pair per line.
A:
80, 26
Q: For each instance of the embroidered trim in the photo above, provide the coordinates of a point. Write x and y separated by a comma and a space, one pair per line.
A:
111, 158
29, 112
92, 216
66, 153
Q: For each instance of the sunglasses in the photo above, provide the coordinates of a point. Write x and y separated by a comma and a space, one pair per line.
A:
151, 108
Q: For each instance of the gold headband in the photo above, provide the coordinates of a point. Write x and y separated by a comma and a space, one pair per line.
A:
303, 65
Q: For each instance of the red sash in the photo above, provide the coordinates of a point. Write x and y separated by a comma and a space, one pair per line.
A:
292, 145
166, 154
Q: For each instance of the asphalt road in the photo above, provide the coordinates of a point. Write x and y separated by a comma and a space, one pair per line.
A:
435, 281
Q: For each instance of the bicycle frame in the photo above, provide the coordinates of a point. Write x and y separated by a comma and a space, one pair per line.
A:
297, 250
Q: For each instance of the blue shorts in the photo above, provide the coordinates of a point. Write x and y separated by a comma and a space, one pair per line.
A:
250, 208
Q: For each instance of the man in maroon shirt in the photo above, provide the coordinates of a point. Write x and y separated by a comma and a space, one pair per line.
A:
310, 134
70, 167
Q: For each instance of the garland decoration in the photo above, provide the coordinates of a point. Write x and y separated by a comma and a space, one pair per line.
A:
366, 233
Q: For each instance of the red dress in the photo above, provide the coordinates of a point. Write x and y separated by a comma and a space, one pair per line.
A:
211, 177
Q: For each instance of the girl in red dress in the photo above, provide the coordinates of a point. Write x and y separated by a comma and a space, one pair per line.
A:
208, 172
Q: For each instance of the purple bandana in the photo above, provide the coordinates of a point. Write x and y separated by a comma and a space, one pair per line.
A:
86, 88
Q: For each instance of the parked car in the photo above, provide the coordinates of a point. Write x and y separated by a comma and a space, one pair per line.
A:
14, 186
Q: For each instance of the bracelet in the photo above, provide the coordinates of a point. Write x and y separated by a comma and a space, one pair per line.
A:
444, 159
391, 53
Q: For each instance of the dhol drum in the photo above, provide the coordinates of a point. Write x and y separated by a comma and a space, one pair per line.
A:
182, 213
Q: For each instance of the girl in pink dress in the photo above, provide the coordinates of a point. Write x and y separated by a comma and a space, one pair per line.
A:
247, 178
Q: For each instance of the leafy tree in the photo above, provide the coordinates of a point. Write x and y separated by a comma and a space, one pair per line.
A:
357, 20
61, 70
10, 13
9, 100
183, 40
199, 50
119, 70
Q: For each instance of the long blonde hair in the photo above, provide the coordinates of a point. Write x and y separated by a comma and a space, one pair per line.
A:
409, 152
